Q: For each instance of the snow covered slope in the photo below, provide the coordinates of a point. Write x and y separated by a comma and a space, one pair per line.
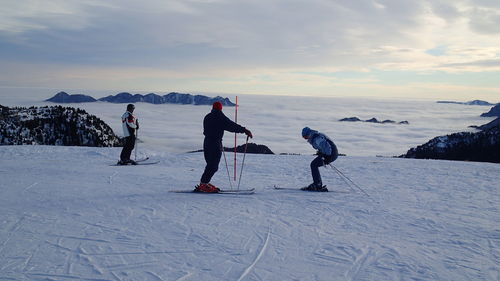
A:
65, 214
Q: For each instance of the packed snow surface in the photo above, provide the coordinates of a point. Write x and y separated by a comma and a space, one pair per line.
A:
66, 214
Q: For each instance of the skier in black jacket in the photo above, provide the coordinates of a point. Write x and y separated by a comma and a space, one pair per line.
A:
214, 125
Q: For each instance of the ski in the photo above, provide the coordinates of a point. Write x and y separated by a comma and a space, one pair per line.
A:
142, 160
223, 191
293, 189
298, 189
148, 163
285, 188
139, 163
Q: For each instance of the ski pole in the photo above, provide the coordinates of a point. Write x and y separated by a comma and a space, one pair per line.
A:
343, 179
243, 162
343, 175
136, 143
227, 168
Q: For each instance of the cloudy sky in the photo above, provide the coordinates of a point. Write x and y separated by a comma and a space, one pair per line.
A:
414, 48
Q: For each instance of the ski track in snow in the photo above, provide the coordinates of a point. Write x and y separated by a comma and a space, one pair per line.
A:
110, 181
78, 218
30, 186
257, 258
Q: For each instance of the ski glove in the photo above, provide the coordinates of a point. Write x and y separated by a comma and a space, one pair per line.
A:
248, 133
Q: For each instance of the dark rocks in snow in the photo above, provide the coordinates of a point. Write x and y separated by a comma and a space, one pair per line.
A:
483, 146
494, 111
55, 125
252, 148
175, 98
63, 97
372, 120
351, 119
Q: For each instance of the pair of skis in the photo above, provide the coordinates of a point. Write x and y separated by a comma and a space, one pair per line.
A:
139, 162
222, 191
247, 191
230, 191
300, 189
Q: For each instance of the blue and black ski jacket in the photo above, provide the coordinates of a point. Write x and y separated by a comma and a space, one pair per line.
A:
320, 142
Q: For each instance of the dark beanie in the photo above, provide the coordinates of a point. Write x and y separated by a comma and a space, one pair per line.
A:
306, 132
217, 105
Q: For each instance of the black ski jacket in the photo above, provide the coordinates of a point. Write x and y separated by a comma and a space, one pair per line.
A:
215, 123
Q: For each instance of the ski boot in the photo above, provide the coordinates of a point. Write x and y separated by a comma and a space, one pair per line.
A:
126, 162
206, 187
315, 187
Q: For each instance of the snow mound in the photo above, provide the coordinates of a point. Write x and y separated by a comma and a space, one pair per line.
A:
54, 125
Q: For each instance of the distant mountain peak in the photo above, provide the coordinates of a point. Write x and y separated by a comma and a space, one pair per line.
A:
63, 97
125, 97
473, 102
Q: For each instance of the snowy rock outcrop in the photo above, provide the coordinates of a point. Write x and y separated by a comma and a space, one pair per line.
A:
55, 125
252, 148
483, 146
494, 111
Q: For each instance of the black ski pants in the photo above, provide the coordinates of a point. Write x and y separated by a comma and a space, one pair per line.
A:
212, 150
315, 164
127, 148
319, 162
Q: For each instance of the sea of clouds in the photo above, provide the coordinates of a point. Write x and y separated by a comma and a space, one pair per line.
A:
277, 121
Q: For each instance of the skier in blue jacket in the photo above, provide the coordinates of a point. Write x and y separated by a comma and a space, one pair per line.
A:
327, 153
214, 125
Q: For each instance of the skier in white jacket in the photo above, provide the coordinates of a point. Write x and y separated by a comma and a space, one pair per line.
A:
130, 125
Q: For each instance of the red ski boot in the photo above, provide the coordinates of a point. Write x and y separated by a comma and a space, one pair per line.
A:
206, 187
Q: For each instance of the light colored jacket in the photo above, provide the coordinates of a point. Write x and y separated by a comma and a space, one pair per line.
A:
318, 141
129, 124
